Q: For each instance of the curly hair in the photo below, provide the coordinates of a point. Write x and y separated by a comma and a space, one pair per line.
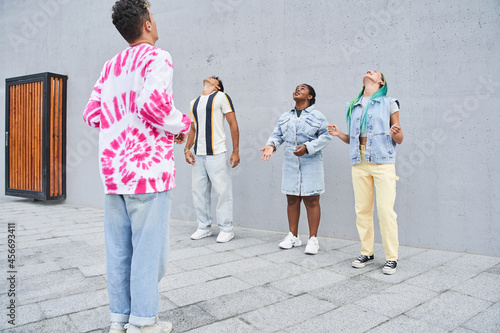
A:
129, 16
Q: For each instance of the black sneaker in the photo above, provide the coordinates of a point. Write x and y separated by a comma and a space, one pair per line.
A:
390, 267
362, 261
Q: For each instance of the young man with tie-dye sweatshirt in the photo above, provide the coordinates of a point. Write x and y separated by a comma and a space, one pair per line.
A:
132, 106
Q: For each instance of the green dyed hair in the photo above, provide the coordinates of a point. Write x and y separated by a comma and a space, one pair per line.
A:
382, 91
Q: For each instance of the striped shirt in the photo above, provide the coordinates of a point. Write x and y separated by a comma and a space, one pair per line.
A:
207, 114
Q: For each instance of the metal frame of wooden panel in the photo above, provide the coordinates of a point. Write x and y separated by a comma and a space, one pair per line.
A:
45, 92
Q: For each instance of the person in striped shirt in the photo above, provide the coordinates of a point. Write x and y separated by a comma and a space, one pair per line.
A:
210, 161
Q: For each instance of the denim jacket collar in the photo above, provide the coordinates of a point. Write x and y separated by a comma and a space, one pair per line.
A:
377, 99
306, 110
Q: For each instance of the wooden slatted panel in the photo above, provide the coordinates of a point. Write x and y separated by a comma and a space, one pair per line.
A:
25, 136
56, 167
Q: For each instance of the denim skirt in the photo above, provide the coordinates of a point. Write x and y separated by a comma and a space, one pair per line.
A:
302, 176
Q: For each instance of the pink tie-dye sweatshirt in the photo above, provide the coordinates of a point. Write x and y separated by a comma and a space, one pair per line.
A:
133, 107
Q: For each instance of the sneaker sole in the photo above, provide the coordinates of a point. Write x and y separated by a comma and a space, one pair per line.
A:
288, 248
224, 241
361, 265
311, 252
389, 272
205, 236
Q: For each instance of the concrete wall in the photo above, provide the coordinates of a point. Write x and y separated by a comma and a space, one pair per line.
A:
440, 59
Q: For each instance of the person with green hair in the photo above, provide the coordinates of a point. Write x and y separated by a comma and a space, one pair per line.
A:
374, 131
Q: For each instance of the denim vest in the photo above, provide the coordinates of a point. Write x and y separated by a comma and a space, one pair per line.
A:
380, 147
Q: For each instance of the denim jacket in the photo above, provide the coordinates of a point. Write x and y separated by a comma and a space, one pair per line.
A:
309, 129
380, 147
302, 175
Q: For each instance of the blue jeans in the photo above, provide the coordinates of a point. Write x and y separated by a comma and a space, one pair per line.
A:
136, 228
213, 171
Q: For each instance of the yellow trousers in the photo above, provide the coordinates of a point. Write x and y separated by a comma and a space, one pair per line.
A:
383, 176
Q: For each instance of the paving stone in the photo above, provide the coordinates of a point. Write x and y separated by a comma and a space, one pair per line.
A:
187, 318
35, 283
206, 290
441, 278
53, 325
303, 283
350, 290
55, 290
355, 248
283, 256
192, 252
267, 236
448, 310
85, 230
474, 263
343, 319
487, 321
329, 244
38, 269
345, 268
240, 266
92, 319
462, 330
273, 272
207, 260
405, 252
494, 270
236, 243
166, 304
183, 279
257, 250
25, 314
406, 270
172, 268
395, 300
289, 312
74, 303
34, 237
322, 259
484, 286
231, 325
433, 258
404, 324
43, 242
93, 270
90, 238
244, 301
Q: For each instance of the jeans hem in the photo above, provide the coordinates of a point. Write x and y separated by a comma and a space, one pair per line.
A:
119, 317
142, 321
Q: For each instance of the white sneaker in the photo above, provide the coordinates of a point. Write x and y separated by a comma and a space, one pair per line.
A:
117, 327
290, 241
312, 246
201, 233
159, 327
225, 237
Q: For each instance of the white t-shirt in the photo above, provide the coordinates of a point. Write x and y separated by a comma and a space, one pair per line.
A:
207, 114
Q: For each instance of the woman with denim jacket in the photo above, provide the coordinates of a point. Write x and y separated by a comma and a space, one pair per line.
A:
304, 133
374, 130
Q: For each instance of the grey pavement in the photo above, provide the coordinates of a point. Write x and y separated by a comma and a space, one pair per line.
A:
246, 285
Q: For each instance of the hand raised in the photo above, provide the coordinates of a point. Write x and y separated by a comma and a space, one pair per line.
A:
267, 152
